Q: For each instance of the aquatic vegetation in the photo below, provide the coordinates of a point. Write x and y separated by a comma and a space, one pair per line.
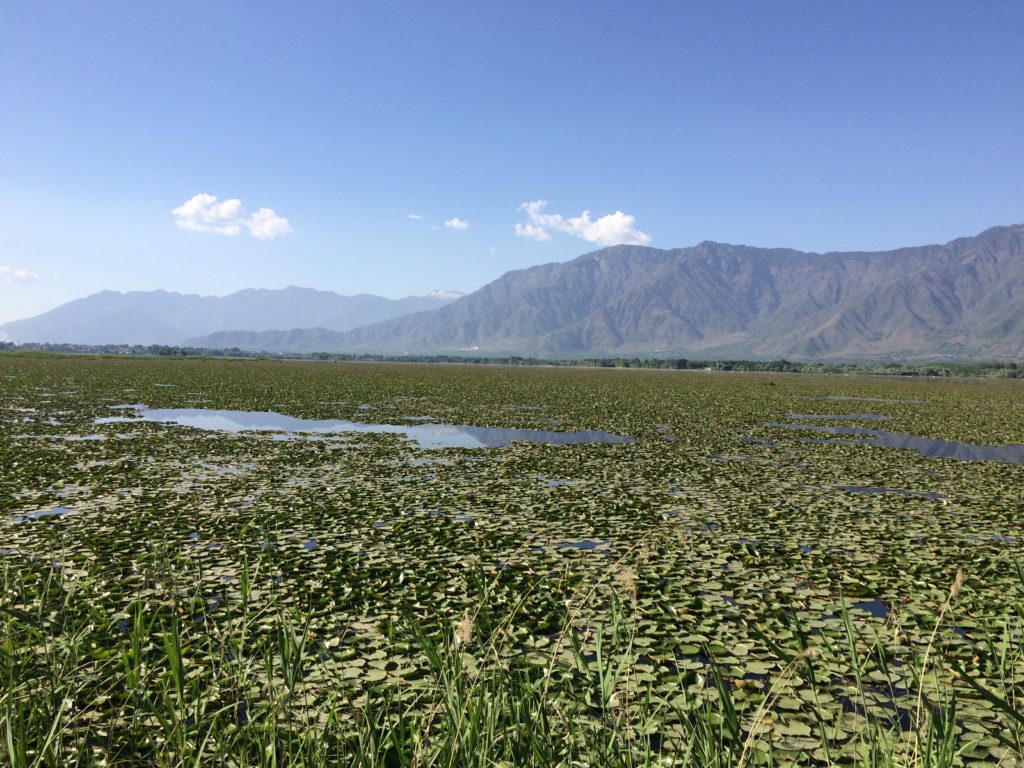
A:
713, 592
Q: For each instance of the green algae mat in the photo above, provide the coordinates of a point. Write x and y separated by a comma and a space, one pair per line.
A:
722, 569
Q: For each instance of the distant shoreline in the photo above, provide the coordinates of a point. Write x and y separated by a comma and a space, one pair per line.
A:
933, 369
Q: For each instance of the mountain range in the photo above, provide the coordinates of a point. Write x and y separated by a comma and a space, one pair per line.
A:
960, 300
161, 317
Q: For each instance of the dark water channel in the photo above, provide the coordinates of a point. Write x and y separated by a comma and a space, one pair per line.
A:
926, 446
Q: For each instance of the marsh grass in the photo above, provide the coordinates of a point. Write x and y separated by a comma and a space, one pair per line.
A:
250, 686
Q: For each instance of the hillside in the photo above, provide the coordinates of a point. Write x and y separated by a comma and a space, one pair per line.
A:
161, 317
964, 299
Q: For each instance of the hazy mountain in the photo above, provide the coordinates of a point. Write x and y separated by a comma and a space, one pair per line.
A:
294, 340
964, 299
159, 317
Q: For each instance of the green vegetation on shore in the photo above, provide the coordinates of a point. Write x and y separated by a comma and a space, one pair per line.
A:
939, 368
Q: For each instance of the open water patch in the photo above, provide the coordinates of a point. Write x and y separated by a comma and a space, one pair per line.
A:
426, 436
584, 544
881, 489
926, 446
839, 416
40, 514
848, 398
876, 608
552, 482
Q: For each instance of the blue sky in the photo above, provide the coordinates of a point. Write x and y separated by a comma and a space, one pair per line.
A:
814, 125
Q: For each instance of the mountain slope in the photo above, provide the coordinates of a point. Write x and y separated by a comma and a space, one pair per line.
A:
963, 299
294, 340
159, 317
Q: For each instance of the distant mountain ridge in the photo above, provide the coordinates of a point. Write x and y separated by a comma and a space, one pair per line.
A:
162, 317
964, 299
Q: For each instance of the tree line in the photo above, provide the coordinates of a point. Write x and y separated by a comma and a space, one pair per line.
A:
1010, 370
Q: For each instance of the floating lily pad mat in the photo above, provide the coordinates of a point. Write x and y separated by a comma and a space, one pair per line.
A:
711, 569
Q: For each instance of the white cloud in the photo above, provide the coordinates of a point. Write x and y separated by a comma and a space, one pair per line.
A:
266, 225
415, 217
11, 275
533, 232
614, 229
457, 223
202, 213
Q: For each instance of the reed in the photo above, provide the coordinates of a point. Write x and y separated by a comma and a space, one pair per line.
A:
240, 693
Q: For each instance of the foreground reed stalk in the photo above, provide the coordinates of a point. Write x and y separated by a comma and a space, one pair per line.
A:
148, 699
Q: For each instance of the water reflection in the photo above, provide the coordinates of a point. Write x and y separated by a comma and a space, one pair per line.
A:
881, 489
57, 512
876, 608
584, 544
926, 446
840, 416
848, 398
424, 435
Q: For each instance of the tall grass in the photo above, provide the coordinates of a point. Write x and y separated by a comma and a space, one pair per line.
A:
254, 685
